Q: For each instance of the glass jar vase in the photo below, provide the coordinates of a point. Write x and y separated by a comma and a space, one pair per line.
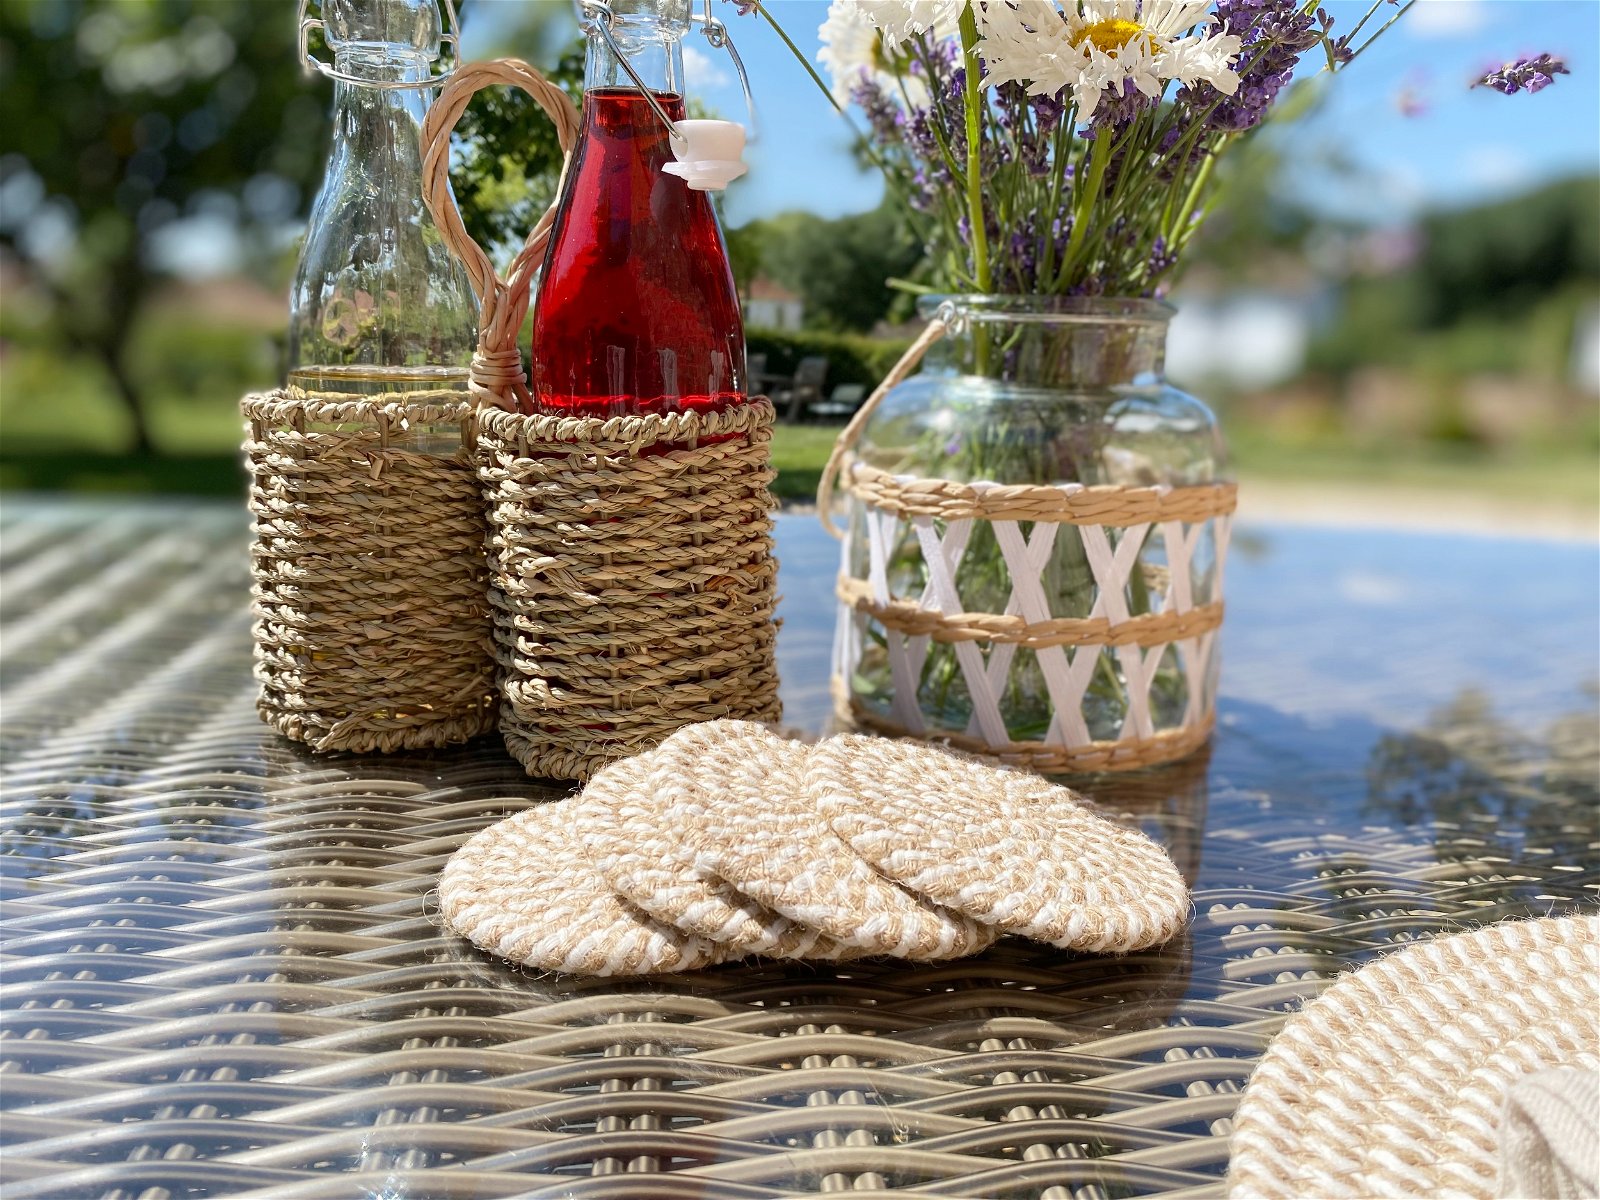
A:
1033, 562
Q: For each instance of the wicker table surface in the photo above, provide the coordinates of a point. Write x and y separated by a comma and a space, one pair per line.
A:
222, 978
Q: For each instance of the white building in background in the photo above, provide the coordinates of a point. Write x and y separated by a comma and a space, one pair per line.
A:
769, 305
1586, 351
1244, 340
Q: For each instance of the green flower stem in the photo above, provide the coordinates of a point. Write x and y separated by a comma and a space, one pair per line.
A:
1196, 190
974, 106
865, 142
1099, 156
1382, 29
761, 10
1376, 5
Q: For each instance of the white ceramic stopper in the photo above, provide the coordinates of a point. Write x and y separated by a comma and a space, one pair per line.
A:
710, 154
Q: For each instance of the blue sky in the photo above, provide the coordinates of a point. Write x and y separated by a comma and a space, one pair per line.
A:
1469, 145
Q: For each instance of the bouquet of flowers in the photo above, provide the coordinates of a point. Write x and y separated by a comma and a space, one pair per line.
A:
1067, 147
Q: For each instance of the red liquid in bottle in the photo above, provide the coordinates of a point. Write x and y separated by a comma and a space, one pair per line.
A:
637, 311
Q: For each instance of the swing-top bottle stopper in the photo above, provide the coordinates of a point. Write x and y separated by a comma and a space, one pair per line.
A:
710, 154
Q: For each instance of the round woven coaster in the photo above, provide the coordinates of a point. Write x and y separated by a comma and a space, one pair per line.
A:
523, 889
1004, 846
756, 829
1391, 1083
633, 819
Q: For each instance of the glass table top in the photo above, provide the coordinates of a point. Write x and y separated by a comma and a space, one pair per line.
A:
224, 976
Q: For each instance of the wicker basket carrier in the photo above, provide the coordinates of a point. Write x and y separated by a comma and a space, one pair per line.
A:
631, 577
942, 513
371, 621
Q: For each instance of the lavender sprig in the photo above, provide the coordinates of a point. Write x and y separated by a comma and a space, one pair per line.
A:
1523, 75
1274, 34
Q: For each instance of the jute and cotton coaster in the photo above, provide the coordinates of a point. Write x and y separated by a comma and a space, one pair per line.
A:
753, 827
632, 819
1004, 846
1392, 1082
522, 889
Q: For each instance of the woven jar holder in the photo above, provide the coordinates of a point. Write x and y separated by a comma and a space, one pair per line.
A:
942, 514
630, 558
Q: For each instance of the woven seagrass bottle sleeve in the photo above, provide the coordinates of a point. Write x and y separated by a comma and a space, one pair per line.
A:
371, 620
631, 577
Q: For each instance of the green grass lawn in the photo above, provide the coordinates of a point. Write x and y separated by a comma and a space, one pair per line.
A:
61, 431
799, 452
1565, 475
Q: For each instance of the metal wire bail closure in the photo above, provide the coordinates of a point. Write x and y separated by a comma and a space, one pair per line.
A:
309, 62
598, 13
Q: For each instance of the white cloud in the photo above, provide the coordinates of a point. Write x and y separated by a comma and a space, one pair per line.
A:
1445, 18
702, 72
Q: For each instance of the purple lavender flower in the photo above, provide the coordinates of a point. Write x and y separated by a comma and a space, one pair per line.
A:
1031, 146
1273, 35
1161, 261
882, 113
1524, 75
1117, 110
745, 8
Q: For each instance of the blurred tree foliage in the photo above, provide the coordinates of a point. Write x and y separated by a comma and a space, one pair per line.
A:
1495, 287
1501, 258
132, 116
839, 268
508, 161
129, 116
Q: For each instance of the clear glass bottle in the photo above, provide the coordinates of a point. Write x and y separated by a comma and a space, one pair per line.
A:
637, 308
1040, 390
379, 306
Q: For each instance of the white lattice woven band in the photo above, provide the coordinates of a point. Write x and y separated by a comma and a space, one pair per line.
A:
1169, 633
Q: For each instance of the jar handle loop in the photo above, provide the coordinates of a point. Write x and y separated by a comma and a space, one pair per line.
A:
497, 376
851, 433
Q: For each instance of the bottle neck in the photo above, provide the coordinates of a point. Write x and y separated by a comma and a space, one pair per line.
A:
388, 119
654, 49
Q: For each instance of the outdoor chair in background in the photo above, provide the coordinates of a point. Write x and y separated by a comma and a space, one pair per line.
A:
806, 391
841, 404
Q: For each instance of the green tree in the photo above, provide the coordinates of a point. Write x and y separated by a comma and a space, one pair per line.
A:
840, 268
1497, 259
131, 115
127, 117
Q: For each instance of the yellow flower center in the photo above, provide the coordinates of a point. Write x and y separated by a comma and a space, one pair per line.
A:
1111, 35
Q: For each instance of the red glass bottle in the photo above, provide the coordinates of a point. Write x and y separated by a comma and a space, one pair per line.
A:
637, 310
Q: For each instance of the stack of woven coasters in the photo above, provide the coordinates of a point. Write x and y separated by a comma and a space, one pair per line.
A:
729, 841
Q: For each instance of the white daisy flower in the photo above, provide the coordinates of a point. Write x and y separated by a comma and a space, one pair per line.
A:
851, 52
901, 20
1107, 43
849, 47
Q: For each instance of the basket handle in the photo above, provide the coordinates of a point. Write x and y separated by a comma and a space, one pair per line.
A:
497, 377
851, 433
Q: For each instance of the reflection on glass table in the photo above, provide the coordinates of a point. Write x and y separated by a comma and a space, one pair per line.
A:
224, 978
